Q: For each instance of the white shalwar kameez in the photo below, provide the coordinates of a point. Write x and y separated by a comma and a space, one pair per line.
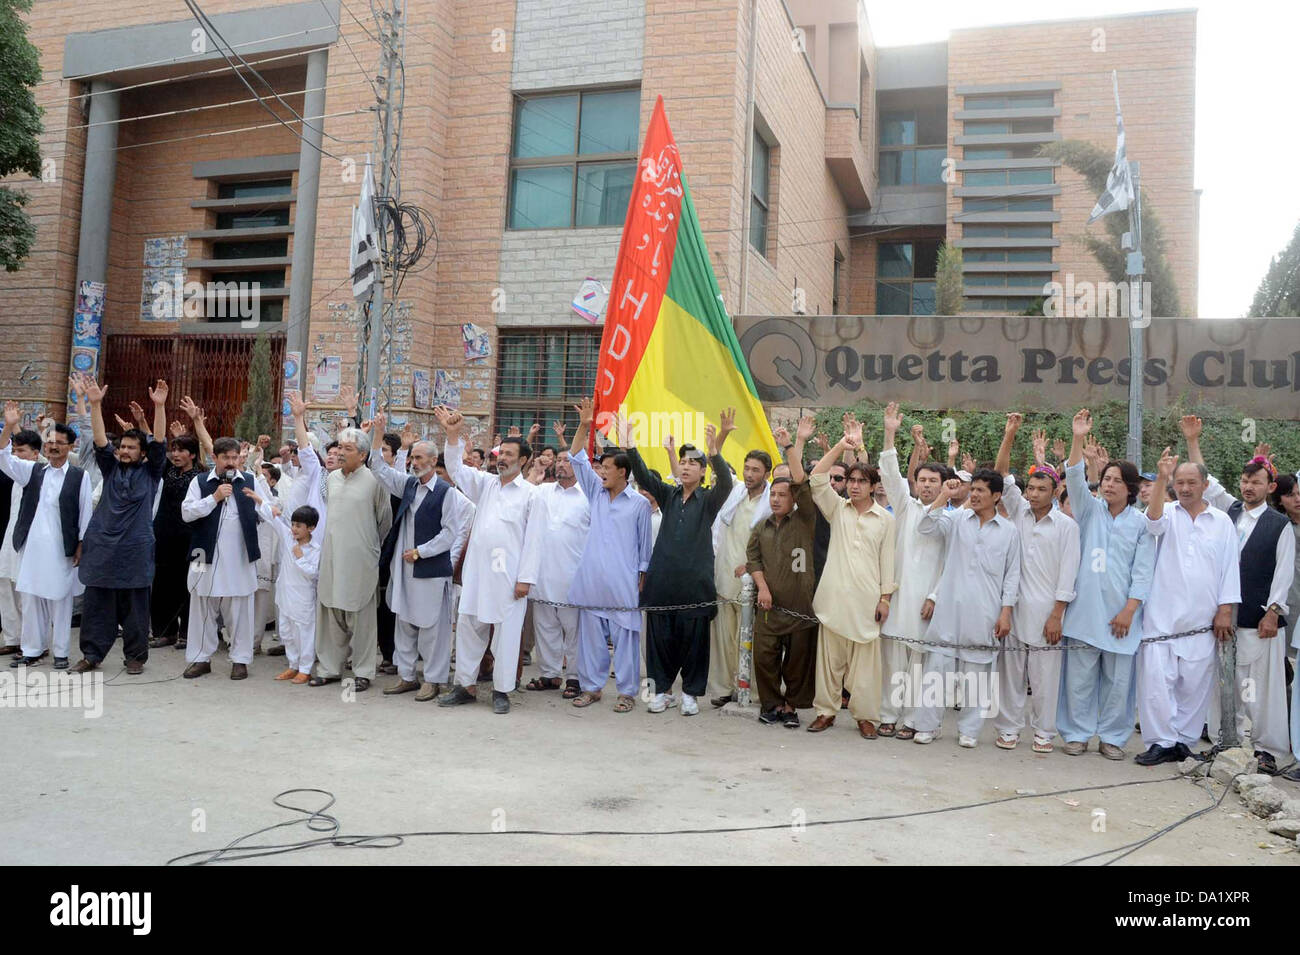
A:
566, 518
1196, 571
226, 586
504, 549
47, 579
422, 628
295, 593
11, 614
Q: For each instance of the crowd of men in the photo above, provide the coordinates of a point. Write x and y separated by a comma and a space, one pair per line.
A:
1083, 598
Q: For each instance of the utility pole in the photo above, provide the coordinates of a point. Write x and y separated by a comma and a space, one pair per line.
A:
1138, 320
390, 37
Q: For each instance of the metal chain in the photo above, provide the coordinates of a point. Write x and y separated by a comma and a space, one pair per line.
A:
998, 648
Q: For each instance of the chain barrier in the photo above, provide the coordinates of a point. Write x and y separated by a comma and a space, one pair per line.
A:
999, 648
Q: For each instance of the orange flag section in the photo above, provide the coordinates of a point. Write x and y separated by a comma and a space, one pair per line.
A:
670, 360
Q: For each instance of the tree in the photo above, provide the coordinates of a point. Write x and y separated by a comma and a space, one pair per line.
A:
948, 280
1279, 292
20, 128
1093, 163
258, 414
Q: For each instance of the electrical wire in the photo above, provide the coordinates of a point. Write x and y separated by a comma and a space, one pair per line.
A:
319, 820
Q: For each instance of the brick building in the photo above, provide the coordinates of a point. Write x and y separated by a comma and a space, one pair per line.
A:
816, 160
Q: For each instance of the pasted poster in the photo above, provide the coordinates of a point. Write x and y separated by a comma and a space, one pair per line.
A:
590, 300
445, 390
292, 373
420, 386
163, 282
87, 330
478, 344
328, 380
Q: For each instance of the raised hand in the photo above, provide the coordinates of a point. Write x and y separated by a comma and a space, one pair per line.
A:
806, 428
138, 414
893, 419
922, 446
196, 413
158, 393
670, 445
122, 423
1264, 450
533, 432
1167, 465
379, 423
176, 429
1014, 420
823, 442
408, 436
94, 391
13, 416
967, 462
727, 424
853, 432
1191, 426
1040, 446
348, 395
558, 428
711, 439
1081, 424
1058, 449
782, 436
586, 409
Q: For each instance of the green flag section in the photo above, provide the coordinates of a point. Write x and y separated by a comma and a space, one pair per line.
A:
670, 361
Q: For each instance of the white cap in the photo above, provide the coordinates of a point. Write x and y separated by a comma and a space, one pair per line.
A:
965, 476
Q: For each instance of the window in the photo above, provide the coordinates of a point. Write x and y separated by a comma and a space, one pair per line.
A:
1005, 127
253, 190
1000, 152
1007, 205
837, 275
573, 159
230, 291
255, 219
760, 184
541, 375
1009, 101
990, 231
1007, 255
1008, 177
905, 274
1005, 279
899, 165
1013, 306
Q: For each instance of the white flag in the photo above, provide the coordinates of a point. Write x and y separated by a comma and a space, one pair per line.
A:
365, 241
1119, 184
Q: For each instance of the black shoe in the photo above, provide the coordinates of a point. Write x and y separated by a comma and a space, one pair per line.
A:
1267, 764
61, 663
276, 651
500, 703
456, 697
24, 662
720, 701
157, 642
1292, 775
790, 720
770, 716
360, 684
1157, 754
1205, 733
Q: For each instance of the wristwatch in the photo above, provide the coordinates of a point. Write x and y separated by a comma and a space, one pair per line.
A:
1274, 608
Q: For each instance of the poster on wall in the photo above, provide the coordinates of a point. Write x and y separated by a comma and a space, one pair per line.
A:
477, 342
163, 280
420, 386
292, 371
590, 300
87, 331
445, 390
328, 380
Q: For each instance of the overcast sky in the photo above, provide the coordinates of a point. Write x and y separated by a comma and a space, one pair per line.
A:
1246, 138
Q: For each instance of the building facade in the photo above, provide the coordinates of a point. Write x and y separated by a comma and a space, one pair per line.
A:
826, 172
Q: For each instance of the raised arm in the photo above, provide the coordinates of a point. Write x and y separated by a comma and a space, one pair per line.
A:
805, 429
897, 488
1165, 469
1191, 426
200, 430
158, 395
1002, 464
95, 393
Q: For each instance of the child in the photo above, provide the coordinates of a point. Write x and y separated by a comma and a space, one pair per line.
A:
295, 587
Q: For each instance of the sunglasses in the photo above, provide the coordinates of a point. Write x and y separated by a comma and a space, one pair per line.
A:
837, 477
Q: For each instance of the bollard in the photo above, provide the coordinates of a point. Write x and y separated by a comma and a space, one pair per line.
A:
1227, 694
745, 668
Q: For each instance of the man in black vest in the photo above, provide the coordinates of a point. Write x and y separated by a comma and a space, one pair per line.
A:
1267, 549
418, 553
27, 446
118, 565
223, 562
52, 519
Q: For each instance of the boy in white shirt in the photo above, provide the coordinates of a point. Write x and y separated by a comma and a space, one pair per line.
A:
295, 586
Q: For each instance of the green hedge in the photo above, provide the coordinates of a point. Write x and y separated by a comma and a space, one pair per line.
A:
1227, 441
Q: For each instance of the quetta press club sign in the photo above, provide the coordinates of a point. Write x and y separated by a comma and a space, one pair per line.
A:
1047, 363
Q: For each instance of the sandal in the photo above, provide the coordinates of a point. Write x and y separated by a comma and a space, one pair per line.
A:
905, 732
571, 689
886, 729
586, 699
1042, 745
1007, 741
543, 683
624, 704
322, 680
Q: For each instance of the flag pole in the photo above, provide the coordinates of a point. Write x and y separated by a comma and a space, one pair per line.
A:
1138, 321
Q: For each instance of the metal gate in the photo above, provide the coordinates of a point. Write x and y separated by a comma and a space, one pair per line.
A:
211, 369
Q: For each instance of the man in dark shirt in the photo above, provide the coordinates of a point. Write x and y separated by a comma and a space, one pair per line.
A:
785, 647
681, 568
117, 564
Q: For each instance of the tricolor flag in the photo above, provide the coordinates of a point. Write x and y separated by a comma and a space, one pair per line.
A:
1119, 184
669, 357
365, 240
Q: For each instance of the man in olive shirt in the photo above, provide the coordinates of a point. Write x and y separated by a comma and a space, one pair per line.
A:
681, 568
785, 647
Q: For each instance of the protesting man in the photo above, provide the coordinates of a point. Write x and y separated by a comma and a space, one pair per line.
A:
223, 571
919, 559
419, 552
681, 566
360, 517
1102, 627
501, 563
746, 507
169, 598
1267, 559
856, 587
615, 558
27, 447
974, 599
117, 568
779, 556
52, 519
565, 513
1194, 586
1049, 566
